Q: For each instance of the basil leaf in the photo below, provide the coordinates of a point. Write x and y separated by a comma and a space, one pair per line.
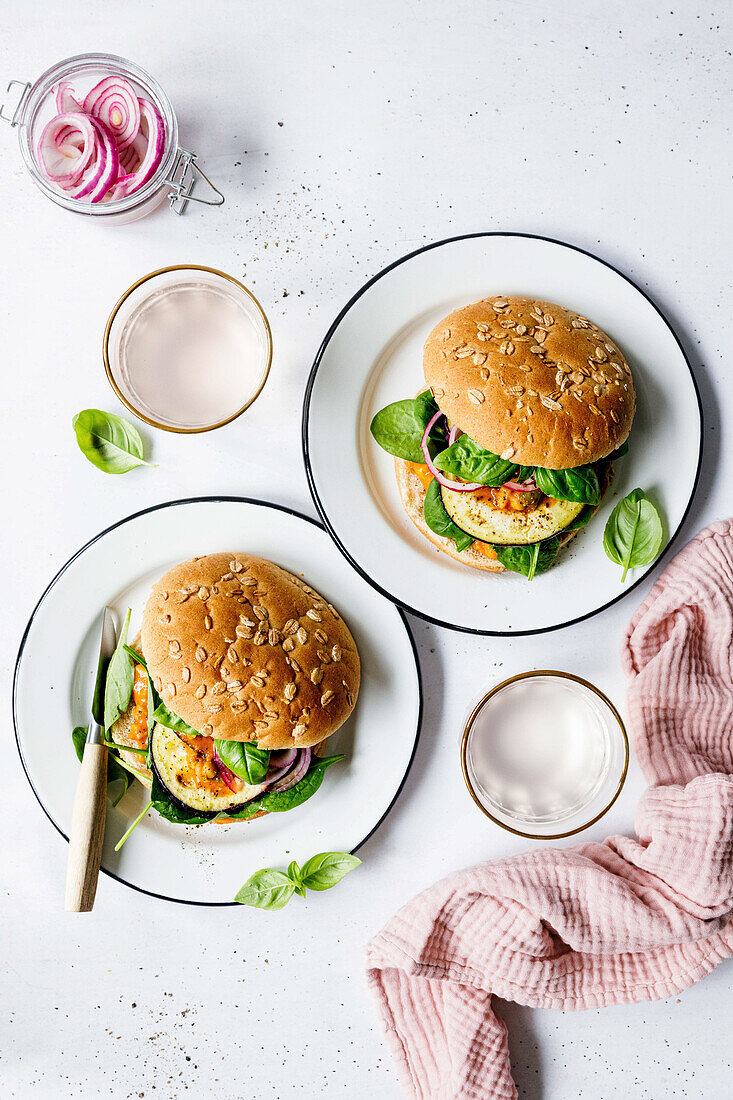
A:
118, 779
179, 815
398, 428
439, 521
633, 534
118, 685
579, 484
266, 889
295, 875
465, 459
325, 870
244, 759
530, 560
172, 721
109, 442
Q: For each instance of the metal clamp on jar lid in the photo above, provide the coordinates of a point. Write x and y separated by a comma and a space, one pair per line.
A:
99, 137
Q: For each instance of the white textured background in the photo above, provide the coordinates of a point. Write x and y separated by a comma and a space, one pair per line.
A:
344, 135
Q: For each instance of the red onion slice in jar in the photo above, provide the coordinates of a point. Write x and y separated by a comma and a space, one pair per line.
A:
67, 134
155, 137
66, 98
113, 101
456, 486
121, 188
111, 162
294, 776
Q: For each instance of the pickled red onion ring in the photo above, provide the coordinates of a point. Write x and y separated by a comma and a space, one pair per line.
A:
65, 99
58, 143
114, 103
456, 486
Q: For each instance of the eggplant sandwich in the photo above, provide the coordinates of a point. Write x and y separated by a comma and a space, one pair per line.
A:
509, 450
224, 704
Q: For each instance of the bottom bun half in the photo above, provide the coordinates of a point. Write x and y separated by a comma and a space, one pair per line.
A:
412, 493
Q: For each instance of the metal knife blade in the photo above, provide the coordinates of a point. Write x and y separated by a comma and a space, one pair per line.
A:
107, 644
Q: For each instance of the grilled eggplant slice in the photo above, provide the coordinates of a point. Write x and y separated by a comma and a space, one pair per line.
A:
184, 765
476, 514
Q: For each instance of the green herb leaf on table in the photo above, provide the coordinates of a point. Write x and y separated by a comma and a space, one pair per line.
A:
112, 444
118, 778
398, 428
325, 870
579, 484
633, 534
266, 889
245, 759
439, 521
529, 560
118, 685
272, 889
466, 460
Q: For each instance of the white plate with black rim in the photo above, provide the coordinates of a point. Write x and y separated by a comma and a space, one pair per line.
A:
372, 355
54, 679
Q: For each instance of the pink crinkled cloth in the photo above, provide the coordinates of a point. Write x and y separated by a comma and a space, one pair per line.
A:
597, 924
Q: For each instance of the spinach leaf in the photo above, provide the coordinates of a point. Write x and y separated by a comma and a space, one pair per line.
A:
271, 889
280, 801
465, 459
439, 521
266, 889
579, 484
325, 870
118, 779
179, 815
118, 685
398, 428
109, 442
172, 721
529, 560
633, 534
244, 759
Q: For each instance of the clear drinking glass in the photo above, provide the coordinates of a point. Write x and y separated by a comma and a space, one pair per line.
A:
544, 754
187, 348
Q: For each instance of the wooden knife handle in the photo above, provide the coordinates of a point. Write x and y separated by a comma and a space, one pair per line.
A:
87, 830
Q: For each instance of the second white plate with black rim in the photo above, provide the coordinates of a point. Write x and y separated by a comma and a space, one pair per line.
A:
372, 355
54, 680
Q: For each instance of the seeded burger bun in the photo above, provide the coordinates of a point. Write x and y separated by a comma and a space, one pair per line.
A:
242, 650
531, 381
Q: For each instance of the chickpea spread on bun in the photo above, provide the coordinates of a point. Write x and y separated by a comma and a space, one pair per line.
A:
510, 449
241, 673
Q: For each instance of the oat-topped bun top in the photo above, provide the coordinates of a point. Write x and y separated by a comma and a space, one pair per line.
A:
244, 651
532, 381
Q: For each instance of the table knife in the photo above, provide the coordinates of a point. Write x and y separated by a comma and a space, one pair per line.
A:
90, 802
